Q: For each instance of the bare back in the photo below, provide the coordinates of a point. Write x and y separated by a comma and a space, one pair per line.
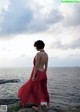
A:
42, 60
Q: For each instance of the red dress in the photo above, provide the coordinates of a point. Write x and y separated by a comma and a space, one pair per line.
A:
34, 91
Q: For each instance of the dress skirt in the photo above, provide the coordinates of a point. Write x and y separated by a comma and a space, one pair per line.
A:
34, 92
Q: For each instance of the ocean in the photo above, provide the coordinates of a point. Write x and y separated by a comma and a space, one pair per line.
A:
63, 84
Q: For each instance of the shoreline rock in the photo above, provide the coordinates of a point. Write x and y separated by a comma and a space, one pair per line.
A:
13, 106
3, 81
8, 101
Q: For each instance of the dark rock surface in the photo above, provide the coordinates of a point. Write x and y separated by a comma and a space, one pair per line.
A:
8, 101
3, 81
13, 106
27, 108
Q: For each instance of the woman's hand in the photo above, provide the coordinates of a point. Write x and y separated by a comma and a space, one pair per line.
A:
33, 78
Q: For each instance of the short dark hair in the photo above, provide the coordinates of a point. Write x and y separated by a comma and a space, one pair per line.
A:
39, 44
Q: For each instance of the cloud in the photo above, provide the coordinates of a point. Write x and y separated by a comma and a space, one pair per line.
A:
15, 18
4, 4
75, 44
22, 61
43, 24
59, 45
21, 18
65, 37
71, 14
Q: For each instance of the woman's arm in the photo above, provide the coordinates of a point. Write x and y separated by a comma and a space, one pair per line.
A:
46, 64
37, 60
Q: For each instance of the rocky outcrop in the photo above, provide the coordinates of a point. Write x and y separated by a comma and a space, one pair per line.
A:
3, 81
14, 106
27, 108
8, 101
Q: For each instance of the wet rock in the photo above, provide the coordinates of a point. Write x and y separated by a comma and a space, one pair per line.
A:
14, 106
28, 108
3, 81
8, 101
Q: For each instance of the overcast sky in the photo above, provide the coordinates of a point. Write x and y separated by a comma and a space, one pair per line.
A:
22, 22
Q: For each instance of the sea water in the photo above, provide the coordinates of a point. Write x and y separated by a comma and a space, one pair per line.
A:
63, 84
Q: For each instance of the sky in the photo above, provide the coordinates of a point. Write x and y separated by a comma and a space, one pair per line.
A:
23, 22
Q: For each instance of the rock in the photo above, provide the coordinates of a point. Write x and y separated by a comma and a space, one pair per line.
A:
3, 81
17, 108
13, 106
8, 101
26, 110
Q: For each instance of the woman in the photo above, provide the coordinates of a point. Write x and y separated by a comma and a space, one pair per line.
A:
34, 91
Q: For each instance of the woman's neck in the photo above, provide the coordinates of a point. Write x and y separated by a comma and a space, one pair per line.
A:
41, 50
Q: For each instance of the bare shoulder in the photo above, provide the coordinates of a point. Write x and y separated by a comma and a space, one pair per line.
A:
46, 54
39, 54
